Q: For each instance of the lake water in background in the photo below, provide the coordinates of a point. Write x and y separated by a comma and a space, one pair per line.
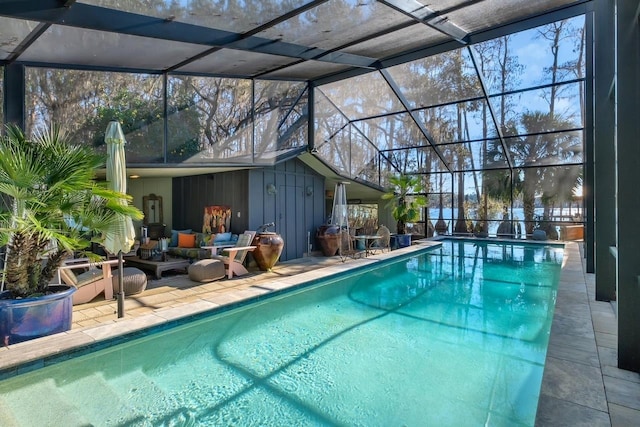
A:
449, 216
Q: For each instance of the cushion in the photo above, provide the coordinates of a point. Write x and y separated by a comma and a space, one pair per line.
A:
186, 240
174, 237
222, 237
203, 239
90, 276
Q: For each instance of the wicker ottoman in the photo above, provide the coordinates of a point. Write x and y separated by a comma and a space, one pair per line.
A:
134, 281
206, 270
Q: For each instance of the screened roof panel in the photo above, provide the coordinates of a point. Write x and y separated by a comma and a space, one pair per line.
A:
333, 152
236, 62
363, 154
439, 79
334, 23
392, 131
63, 45
363, 96
405, 39
12, 32
328, 119
307, 70
227, 15
479, 15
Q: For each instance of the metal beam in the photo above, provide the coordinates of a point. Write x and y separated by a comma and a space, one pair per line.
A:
604, 151
429, 17
491, 112
14, 95
59, 8
627, 91
588, 201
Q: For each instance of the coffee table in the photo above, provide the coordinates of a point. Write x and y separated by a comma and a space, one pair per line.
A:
157, 267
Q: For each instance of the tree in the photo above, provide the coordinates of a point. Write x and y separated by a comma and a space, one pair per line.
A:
535, 152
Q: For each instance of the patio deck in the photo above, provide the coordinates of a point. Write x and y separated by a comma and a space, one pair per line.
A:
581, 384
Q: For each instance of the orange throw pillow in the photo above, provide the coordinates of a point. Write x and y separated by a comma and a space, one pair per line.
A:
186, 240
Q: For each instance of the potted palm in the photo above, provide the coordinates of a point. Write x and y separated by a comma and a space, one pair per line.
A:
405, 201
52, 206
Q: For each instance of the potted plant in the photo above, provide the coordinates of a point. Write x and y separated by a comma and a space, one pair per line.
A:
405, 201
52, 206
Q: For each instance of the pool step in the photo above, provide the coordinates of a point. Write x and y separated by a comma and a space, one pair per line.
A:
145, 398
7, 419
96, 398
40, 405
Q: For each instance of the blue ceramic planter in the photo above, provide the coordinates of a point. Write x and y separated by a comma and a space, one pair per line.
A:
30, 318
404, 240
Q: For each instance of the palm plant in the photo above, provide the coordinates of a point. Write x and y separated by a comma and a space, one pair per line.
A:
55, 206
405, 199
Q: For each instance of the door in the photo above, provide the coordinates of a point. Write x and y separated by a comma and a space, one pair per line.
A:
290, 221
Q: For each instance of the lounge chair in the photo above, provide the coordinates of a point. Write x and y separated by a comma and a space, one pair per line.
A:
235, 255
91, 282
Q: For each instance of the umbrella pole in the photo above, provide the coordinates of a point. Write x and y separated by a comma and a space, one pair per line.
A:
120, 286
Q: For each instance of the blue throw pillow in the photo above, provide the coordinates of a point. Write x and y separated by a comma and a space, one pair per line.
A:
174, 237
222, 237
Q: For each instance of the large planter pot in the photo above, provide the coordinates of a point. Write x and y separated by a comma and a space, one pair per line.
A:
329, 240
404, 240
30, 318
269, 246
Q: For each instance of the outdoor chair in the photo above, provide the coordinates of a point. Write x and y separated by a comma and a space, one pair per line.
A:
235, 255
384, 241
348, 246
91, 282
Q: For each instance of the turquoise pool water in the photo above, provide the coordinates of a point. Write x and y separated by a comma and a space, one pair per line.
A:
455, 336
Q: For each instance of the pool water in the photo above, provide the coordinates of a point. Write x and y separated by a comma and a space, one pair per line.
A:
455, 336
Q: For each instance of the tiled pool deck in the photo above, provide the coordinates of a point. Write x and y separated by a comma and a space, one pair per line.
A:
581, 384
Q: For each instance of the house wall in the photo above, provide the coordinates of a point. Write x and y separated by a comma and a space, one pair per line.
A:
192, 193
138, 188
297, 208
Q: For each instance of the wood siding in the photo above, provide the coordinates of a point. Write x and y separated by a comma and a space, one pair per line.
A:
192, 193
297, 208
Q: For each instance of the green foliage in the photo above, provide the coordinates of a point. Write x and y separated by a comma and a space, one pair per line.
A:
54, 204
405, 199
136, 115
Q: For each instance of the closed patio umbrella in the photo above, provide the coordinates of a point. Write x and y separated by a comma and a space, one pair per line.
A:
122, 237
340, 216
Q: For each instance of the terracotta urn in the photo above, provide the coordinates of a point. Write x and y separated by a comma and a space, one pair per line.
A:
269, 246
328, 237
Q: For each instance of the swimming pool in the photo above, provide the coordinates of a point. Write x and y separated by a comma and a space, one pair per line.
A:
454, 336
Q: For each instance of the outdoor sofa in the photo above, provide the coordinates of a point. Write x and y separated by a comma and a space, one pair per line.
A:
187, 244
